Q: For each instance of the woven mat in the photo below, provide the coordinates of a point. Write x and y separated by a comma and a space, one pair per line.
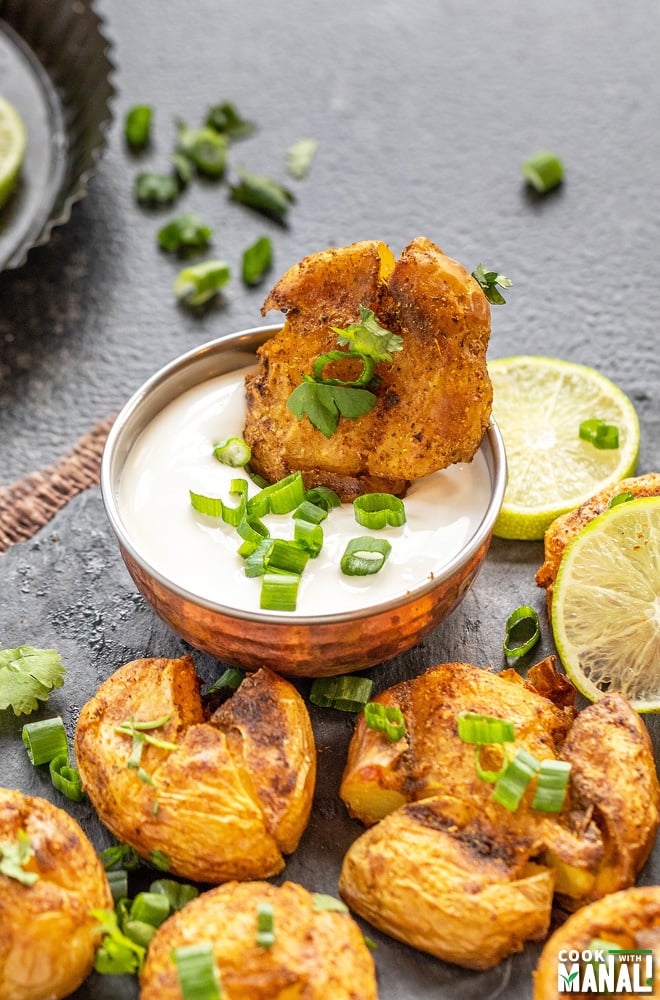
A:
29, 504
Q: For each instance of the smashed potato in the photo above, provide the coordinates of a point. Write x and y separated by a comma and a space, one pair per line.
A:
433, 401
595, 845
317, 954
48, 937
222, 797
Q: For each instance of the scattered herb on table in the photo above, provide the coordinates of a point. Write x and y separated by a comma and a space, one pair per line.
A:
156, 189
262, 193
198, 284
14, 855
299, 157
544, 171
257, 261
137, 126
488, 280
27, 676
226, 119
185, 232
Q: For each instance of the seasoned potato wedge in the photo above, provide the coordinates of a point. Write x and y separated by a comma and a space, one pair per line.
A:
433, 402
317, 954
226, 796
629, 920
439, 875
48, 936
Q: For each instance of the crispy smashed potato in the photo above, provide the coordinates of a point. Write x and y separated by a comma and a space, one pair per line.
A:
629, 920
317, 954
227, 796
563, 529
48, 936
433, 402
595, 845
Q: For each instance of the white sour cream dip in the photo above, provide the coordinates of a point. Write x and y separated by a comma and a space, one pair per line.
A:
174, 454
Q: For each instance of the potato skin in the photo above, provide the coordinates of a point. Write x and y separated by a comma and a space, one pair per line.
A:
629, 919
232, 797
316, 955
48, 938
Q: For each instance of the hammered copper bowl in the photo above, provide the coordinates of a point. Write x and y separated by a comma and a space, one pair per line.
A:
313, 646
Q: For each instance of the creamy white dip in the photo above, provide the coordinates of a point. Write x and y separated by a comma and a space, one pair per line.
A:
174, 455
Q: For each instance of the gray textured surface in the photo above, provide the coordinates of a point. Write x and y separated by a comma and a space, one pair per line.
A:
423, 113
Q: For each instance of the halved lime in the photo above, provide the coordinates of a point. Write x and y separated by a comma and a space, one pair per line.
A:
539, 404
13, 139
606, 605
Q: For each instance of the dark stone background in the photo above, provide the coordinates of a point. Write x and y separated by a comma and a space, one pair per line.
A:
423, 112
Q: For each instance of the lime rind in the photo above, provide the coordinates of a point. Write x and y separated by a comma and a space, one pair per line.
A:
13, 140
606, 605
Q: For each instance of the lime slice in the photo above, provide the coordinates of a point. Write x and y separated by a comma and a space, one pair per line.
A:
12, 148
539, 404
606, 605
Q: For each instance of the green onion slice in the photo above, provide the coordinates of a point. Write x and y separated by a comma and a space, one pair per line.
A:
486, 775
233, 451
234, 515
137, 126
177, 893
279, 498
156, 189
117, 954
44, 740
624, 497
66, 778
523, 631
185, 232
376, 510
543, 170
299, 157
198, 284
225, 118
257, 261
323, 496
287, 556
322, 901
348, 694
159, 860
386, 719
511, 787
364, 556
600, 434
309, 536
118, 882
252, 529
138, 931
211, 506
14, 854
308, 511
265, 925
205, 147
476, 728
365, 377
119, 854
551, 785
197, 972
231, 678
262, 193
150, 908
255, 556
279, 591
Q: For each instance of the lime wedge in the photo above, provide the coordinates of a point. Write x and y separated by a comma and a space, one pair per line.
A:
606, 605
12, 148
539, 404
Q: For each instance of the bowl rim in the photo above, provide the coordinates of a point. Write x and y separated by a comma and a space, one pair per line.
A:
111, 467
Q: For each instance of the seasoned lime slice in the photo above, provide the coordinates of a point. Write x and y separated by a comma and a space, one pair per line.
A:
13, 139
606, 605
539, 404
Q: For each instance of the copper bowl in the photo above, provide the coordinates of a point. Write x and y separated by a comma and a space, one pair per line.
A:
311, 646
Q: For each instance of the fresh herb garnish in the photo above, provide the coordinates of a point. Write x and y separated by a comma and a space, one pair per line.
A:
323, 404
156, 189
198, 284
14, 855
225, 118
624, 497
27, 676
185, 232
299, 157
600, 434
369, 337
523, 631
137, 126
257, 261
262, 193
488, 281
117, 954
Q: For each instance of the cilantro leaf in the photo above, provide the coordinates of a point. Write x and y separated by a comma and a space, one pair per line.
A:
14, 855
488, 280
27, 676
369, 337
117, 953
322, 404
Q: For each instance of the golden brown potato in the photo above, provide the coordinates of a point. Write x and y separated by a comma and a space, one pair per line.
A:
439, 875
563, 529
317, 954
48, 937
629, 920
595, 845
433, 402
233, 794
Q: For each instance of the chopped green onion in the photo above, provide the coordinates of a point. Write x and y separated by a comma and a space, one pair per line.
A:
233, 451
309, 536
256, 478
156, 189
364, 378
279, 498
624, 497
232, 678
376, 510
543, 170
211, 506
234, 515
159, 860
348, 694
299, 157
262, 193
322, 901
308, 511
197, 972
118, 882
490, 776
150, 908
279, 591
198, 284
44, 740
255, 560
511, 787
120, 854
523, 631
476, 728
205, 147
285, 556
370, 943
252, 529
323, 496
117, 953
178, 893
66, 778
137, 126
225, 118
364, 556
14, 855
185, 232
257, 261
386, 719
600, 434
265, 925
551, 785
138, 931
183, 169
488, 280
